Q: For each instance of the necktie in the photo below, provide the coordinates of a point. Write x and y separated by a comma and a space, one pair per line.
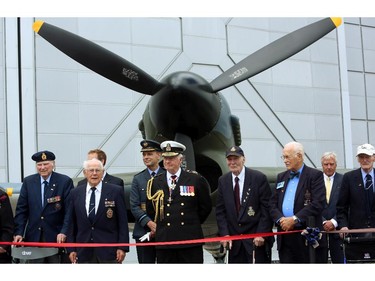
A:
328, 188
369, 193
44, 197
171, 188
92, 205
173, 177
237, 194
153, 174
293, 174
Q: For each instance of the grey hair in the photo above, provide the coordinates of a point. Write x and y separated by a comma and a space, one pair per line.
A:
297, 147
328, 155
86, 163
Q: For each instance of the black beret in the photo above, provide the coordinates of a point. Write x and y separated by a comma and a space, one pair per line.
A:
150, 145
43, 156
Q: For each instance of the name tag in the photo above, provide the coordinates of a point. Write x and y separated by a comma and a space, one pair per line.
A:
280, 185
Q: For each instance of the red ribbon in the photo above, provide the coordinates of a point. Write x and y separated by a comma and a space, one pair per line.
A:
194, 241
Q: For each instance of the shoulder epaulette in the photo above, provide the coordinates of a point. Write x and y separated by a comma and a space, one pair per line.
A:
140, 172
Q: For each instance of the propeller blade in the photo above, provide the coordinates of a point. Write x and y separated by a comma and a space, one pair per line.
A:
98, 59
275, 52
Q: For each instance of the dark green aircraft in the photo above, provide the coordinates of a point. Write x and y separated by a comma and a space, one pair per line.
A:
183, 106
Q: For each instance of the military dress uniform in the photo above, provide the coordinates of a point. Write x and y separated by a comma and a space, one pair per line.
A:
179, 212
145, 254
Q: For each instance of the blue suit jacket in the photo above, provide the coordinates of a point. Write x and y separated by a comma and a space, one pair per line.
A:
351, 208
138, 200
254, 213
110, 224
54, 218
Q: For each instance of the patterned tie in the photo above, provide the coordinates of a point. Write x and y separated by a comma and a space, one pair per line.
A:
328, 188
153, 174
92, 205
369, 193
237, 194
44, 197
173, 177
172, 187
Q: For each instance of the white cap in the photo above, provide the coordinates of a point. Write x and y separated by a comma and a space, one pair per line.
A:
366, 148
172, 148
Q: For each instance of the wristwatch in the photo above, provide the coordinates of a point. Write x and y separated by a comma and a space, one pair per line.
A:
296, 220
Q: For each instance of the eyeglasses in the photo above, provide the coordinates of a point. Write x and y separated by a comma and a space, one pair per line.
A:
92, 171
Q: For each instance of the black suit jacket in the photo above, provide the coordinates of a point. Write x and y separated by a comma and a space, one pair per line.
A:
309, 201
107, 179
6, 221
185, 214
253, 216
329, 211
110, 224
351, 206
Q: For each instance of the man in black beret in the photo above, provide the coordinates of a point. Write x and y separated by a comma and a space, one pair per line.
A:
43, 213
151, 155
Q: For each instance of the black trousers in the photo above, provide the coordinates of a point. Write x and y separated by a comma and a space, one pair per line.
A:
146, 254
293, 249
192, 254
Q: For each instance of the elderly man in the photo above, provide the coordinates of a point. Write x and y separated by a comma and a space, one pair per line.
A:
332, 181
297, 202
179, 201
98, 216
355, 207
43, 207
242, 208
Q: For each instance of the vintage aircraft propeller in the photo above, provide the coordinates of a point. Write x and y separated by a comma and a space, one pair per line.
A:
184, 106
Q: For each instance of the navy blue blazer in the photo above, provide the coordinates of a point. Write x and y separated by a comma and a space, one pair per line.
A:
54, 218
110, 224
254, 212
351, 208
138, 200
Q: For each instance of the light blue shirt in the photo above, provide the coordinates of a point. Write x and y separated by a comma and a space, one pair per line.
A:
290, 193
